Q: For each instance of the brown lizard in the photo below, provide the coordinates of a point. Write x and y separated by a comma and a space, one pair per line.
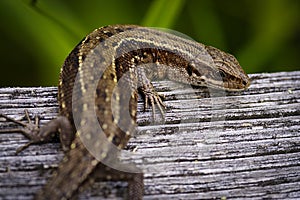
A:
98, 86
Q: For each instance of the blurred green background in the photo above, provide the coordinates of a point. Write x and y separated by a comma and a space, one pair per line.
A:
37, 35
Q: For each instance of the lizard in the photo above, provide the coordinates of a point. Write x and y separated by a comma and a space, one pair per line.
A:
102, 77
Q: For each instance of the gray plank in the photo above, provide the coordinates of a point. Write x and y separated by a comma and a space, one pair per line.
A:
213, 144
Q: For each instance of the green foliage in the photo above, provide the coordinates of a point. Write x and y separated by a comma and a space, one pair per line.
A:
37, 35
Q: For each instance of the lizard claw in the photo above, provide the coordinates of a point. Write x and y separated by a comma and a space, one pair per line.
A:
20, 149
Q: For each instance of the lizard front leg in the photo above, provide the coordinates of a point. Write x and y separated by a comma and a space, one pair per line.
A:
151, 97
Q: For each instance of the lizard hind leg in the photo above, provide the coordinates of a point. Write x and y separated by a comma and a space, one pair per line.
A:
37, 134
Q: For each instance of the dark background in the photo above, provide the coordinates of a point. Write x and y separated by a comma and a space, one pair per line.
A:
36, 36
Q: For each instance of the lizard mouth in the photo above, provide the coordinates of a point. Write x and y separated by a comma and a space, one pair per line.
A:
233, 85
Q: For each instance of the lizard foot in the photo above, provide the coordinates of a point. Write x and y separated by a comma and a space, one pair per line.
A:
152, 98
30, 130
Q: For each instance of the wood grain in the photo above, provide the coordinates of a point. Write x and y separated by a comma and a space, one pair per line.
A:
244, 145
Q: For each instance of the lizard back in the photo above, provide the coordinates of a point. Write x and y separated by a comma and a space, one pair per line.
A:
98, 92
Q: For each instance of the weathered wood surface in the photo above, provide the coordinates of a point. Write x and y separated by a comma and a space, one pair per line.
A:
243, 145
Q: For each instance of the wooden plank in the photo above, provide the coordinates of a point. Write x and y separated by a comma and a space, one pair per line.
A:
212, 145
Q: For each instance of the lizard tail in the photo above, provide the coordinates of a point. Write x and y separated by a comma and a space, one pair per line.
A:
72, 172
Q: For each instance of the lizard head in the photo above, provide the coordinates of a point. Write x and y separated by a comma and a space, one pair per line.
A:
228, 74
